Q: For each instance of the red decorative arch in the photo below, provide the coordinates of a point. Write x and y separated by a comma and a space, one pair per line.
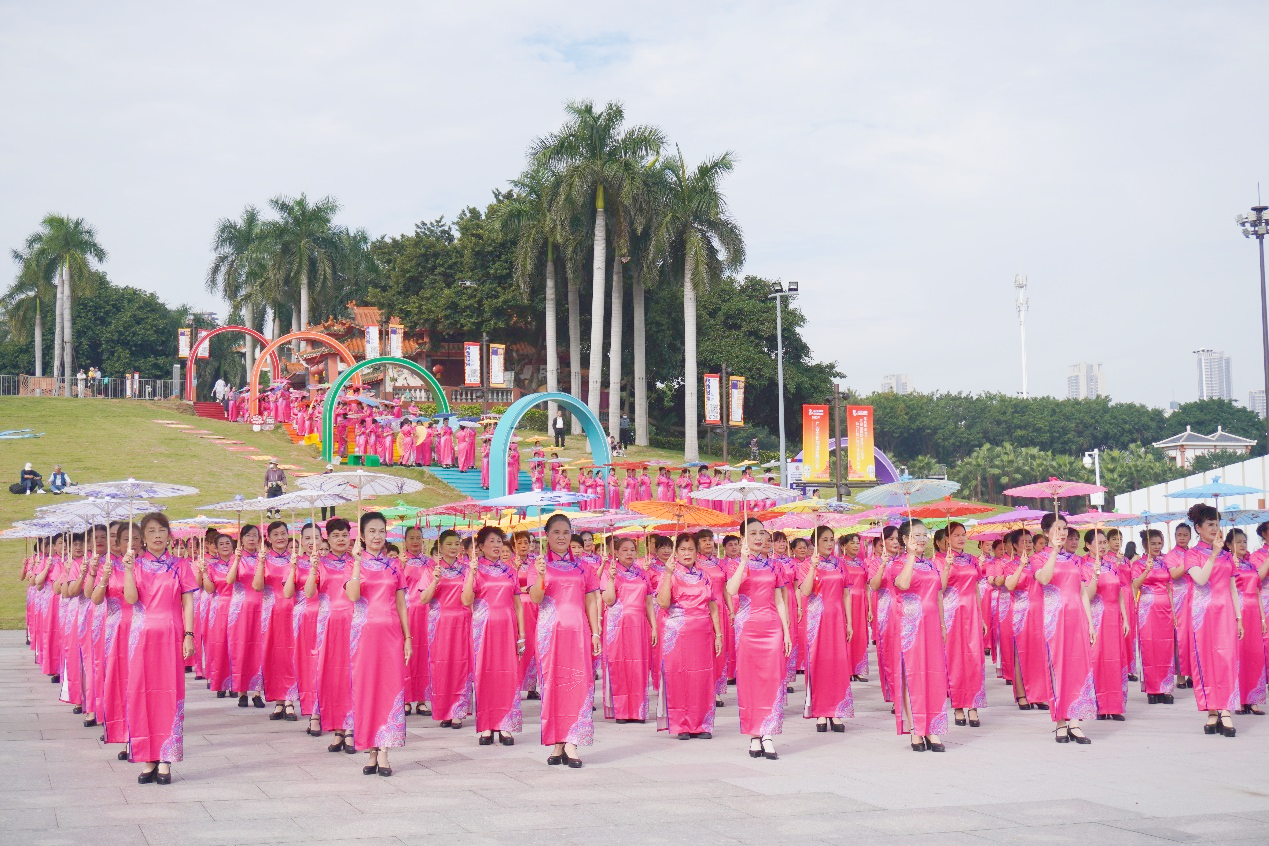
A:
317, 337
191, 365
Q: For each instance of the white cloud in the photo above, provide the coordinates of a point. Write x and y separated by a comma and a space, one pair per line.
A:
902, 161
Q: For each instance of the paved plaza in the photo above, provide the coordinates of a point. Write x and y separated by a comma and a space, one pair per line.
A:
1155, 779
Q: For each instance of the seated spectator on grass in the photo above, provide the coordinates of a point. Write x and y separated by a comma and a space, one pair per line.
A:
59, 481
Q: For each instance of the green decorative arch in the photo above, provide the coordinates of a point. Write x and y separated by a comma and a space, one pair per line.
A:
594, 430
332, 396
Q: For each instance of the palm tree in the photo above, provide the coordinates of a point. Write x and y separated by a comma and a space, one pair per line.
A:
698, 241
593, 159
240, 261
25, 302
63, 248
306, 248
525, 215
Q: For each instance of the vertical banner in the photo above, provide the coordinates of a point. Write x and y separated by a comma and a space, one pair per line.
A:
859, 437
471, 364
497, 365
372, 341
713, 401
815, 423
736, 401
182, 342
396, 340
205, 350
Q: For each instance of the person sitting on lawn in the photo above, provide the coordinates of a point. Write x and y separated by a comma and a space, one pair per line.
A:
31, 480
59, 481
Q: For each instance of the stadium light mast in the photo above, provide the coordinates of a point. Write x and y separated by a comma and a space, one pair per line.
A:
1020, 282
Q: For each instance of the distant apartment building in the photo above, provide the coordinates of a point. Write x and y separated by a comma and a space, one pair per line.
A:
896, 383
1085, 381
1256, 402
1214, 380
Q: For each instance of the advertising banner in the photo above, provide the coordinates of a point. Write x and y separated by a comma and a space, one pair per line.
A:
815, 423
497, 365
713, 401
204, 350
396, 340
372, 342
471, 364
736, 401
183, 340
859, 438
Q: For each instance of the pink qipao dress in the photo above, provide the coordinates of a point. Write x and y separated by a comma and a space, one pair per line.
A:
564, 653
627, 646
218, 625
377, 656
116, 633
1069, 653
760, 659
1251, 649
334, 628
1212, 626
156, 666
1156, 633
449, 644
278, 632
828, 658
1110, 659
495, 631
915, 642
688, 674
967, 680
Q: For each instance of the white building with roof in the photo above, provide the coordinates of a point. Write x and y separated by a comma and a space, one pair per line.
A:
1189, 445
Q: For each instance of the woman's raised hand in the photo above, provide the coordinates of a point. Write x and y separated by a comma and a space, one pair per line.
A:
129, 559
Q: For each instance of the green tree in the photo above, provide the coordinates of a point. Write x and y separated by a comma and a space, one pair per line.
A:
305, 252
64, 249
594, 160
25, 303
239, 270
121, 330
1213, 461
697, 241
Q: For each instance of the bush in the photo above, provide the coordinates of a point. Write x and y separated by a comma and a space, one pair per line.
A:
533, 420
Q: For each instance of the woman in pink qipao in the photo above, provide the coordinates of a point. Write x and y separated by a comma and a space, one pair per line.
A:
825, 586
1068, 586
418, 674
116, 628
304, 621
325, 583
1025, 603
763, 641
1181, 584
1213, 622
380, 646
880, 584
692, 638
963, 622
1251, 648
1110, 621
629, 633
492, 591
915, 642
568, 640
449, 642
220, 592
160, 588
246, 620
1156, 635
275, 578
522, 559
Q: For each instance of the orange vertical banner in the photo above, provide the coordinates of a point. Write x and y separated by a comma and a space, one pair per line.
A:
859, 436
815, 422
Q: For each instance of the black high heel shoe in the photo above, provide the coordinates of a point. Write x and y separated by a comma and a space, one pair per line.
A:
77, 710
220, 694
257, 701
123, 755
555, 758
147, 777
1078, 738
837, 725
573, 763
385, 771
506, 739
278, 713
1063, 735
755, 748
1210, 728
314, 732
769, 753
974, 722
90, 722
242, 701
960, 721
338, 745
934, 747
290, 715
1227, 730
821, 727
1025, 706
370, 769
1152, 699
918, 745
486, 740
163, 778
349, 746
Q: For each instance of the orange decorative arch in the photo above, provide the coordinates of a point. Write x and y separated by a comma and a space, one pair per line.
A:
207, 336
316, 337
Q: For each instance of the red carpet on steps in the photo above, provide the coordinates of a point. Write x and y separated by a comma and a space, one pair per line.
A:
210, 410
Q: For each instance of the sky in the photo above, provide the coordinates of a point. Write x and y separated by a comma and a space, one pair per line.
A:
902, 160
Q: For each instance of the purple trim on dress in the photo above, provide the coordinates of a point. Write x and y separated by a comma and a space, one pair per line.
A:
138, 623
911, 605
612, 623
392, 734
360, 609
951, 600
173, 749
1021, 603
1084, 706
1052, 605
1200, 597
675, 620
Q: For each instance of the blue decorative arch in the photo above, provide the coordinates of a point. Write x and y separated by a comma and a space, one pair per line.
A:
511, 418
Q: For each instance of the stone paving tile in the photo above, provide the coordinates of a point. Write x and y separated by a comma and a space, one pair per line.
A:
26, 818
1206, 828
222, 833
46, 797
396, 824
927, 821
867, 837
112, 835
263, 809
1054, 812
793, 805
191, 813
1083, 834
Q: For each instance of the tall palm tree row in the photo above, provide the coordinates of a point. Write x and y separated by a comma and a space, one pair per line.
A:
59, 255
26, 301
593, 160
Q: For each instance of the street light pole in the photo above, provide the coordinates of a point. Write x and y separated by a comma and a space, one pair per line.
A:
1257, 224
1093, 461
778, 293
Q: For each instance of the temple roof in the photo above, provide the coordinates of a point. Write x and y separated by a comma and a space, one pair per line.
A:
1190, 438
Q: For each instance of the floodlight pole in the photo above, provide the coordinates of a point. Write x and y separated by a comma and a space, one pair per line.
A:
1257, 224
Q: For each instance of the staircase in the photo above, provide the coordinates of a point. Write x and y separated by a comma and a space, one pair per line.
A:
210, 410
291, 433
468, 483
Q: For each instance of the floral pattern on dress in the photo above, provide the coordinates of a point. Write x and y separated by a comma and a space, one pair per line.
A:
1052, 607
392, 734
910, 604
173, 749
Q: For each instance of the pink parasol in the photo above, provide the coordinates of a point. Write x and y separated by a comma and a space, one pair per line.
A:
1054, 489
1018, 515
